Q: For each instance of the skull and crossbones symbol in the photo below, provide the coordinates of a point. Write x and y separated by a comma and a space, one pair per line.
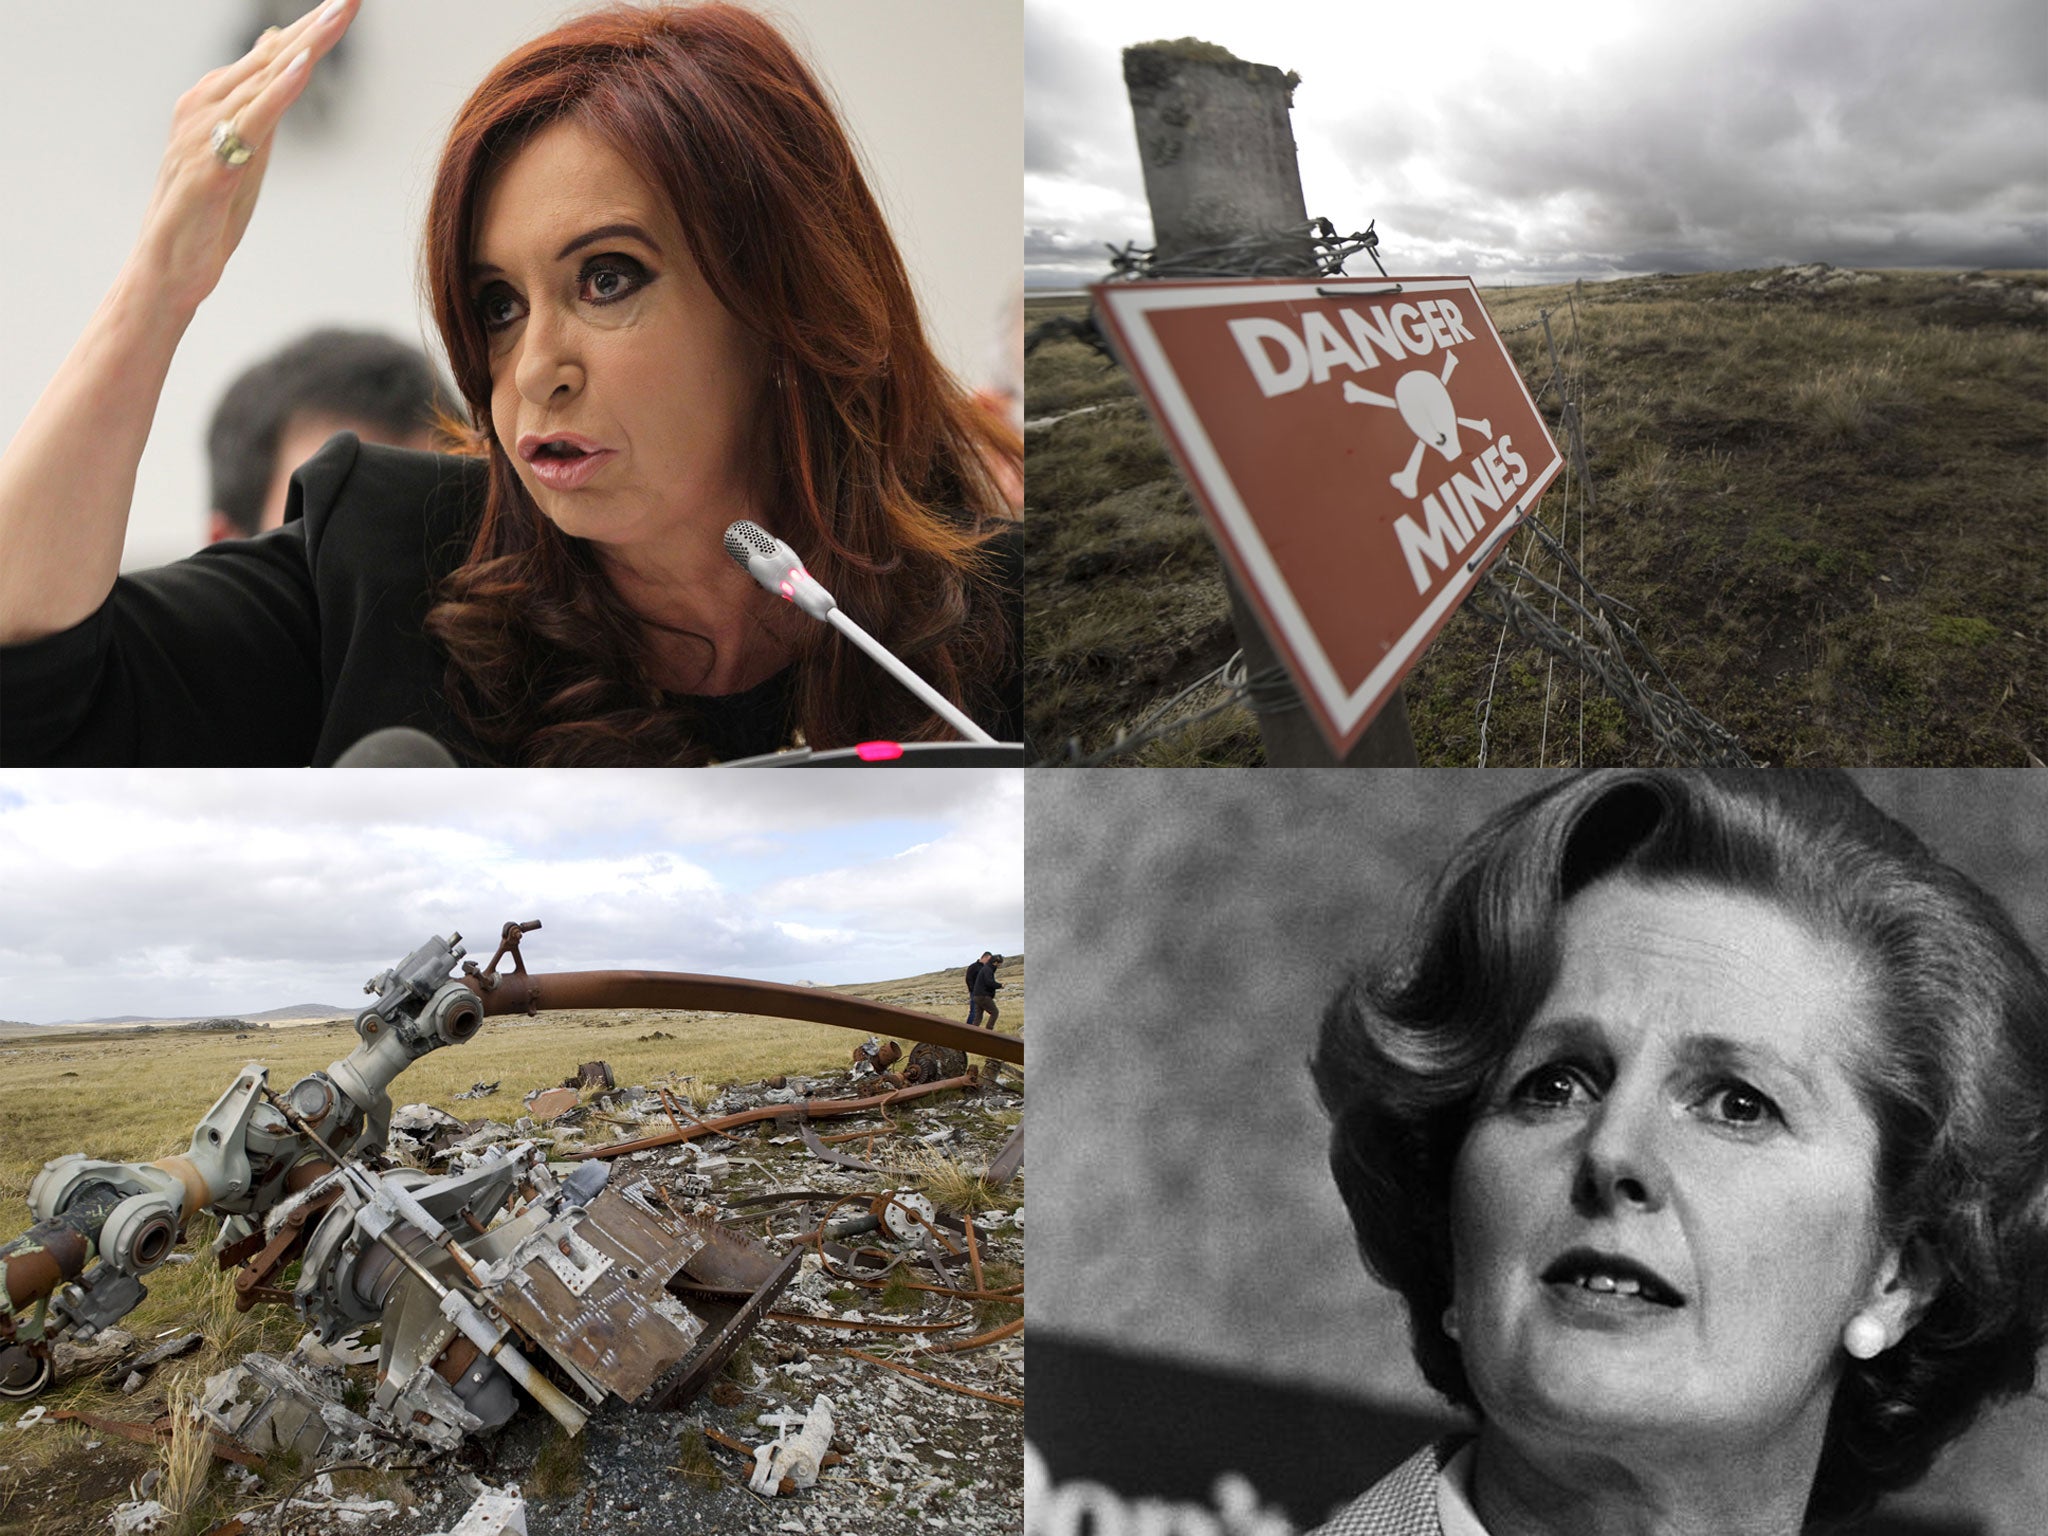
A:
1424, 401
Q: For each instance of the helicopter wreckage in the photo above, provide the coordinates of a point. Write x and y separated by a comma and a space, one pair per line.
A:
500, 1276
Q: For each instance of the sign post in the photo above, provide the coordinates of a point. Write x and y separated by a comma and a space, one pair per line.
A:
1217, 151
1361, 447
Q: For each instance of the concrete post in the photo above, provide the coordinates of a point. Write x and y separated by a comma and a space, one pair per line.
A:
1215, 144
1217, 151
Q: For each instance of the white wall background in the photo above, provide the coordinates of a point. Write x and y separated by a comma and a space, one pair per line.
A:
931, 89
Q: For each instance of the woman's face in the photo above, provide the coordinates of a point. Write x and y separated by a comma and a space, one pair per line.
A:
606, 342
1663, 1213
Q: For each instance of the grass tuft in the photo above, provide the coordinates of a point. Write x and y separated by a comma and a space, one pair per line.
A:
956, 1187
187, 1457
558, 1469
695, 1464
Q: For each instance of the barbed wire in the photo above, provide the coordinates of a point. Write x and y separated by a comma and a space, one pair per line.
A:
1156, 726
1617, 657
1313, 249
1683, 733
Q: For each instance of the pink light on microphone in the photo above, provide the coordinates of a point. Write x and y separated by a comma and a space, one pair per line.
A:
878, 751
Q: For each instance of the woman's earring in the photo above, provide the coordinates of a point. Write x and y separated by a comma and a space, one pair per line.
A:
1451, 1320
1864, 1337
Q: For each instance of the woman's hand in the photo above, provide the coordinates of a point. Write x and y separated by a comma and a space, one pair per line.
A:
202, 203
67, 478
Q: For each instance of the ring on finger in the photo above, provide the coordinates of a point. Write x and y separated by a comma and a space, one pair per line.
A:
229, 145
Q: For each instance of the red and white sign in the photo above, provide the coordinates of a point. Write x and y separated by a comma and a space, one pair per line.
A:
1362, 448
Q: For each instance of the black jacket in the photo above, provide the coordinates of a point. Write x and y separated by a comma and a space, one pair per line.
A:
288, 648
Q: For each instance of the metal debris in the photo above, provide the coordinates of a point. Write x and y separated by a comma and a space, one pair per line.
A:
146, 1517
552, 1103
332, 1511
930, 1063
794, 1461
496, 1512
269, 1405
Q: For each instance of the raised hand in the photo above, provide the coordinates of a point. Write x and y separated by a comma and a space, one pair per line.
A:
68, 475
206, 188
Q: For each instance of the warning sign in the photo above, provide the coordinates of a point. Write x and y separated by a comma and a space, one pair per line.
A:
1362, 448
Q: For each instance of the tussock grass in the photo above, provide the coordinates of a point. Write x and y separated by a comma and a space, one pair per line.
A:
1845, 404
1824, 508
1072, 377
954, 1186
695, 1464
995, 1312
559, 1468
187, 1457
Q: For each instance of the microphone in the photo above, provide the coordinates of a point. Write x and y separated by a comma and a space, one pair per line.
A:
775, 566
396, 746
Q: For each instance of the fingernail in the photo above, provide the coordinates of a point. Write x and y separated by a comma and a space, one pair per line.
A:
298, 63
334, 9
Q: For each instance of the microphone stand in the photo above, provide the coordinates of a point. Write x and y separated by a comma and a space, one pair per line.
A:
935, 700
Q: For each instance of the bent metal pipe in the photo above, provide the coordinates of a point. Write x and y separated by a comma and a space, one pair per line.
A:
523, 992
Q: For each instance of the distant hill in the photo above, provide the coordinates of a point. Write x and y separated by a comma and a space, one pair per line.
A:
935, 989
289, 1013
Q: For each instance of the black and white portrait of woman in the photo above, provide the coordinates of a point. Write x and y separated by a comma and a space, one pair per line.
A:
1694, 1129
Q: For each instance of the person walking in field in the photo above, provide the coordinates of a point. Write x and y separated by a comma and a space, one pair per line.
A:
972, 977
984, 986
980, 978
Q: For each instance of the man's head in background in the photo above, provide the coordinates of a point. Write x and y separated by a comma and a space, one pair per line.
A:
278, 413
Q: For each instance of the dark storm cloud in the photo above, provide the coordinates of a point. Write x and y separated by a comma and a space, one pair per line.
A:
185, 893
1073, 95
1862, 134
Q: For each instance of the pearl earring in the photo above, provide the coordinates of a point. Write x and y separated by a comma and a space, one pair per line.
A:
1864, 1337
1450, 1320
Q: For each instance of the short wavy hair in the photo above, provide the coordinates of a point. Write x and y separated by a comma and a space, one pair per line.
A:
1957, 1083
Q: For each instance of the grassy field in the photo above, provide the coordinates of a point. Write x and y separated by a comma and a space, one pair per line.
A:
123, 1095
1826, 502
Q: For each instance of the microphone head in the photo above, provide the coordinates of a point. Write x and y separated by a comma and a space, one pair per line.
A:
744, 540
775, 566
396, 746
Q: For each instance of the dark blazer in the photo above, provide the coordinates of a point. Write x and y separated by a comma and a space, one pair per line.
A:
288, 648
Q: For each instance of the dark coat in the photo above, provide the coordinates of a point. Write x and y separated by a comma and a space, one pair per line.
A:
288, 648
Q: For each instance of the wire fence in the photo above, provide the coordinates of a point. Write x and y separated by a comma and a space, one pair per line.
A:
1539, 592
1313, 249
1537, 589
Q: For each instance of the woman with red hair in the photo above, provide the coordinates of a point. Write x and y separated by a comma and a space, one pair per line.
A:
671, 304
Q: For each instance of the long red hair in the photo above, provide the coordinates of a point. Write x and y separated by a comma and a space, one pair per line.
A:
874, 462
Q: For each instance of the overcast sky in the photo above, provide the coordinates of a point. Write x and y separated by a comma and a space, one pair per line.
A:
176, 894
1586, 137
